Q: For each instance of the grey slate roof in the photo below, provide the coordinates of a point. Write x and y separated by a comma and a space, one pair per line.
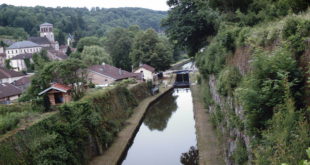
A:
111, 71
6, 73
7, 90
46, 24
23, 44
59, 54
22, 56
39, 40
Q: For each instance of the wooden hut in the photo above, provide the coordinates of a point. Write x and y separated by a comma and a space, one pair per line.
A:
58, 94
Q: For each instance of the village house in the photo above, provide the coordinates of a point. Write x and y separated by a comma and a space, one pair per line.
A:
103, 75
18, 63
2, 59
58, 94
8, 76
9, 93
147, 71
22, 83
56, 55
22, 47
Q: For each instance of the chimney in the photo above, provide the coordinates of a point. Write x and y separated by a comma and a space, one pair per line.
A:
119, 71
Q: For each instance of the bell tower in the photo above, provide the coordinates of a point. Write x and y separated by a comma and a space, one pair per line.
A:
46, 30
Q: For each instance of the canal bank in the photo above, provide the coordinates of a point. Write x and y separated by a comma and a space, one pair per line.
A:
116, 152
208, 142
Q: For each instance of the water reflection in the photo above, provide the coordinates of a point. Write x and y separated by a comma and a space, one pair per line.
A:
159, 114
191, 157
166, 133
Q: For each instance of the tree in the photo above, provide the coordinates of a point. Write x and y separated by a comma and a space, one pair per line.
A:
88, 41
92, 55
148, 48
69, 51
118, 44
69, 72
190, 23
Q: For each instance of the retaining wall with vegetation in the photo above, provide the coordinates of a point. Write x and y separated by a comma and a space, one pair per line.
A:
78, 132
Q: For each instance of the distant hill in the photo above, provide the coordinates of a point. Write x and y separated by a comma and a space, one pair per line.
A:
79, 21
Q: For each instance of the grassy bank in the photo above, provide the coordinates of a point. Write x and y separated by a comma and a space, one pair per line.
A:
80, 131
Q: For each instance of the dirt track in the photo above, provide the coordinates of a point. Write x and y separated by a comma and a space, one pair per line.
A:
210, 152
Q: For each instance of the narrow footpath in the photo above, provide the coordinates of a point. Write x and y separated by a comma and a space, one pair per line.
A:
114, 154
210, 152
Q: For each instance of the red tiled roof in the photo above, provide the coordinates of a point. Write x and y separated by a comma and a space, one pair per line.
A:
7, 90
57, 86
147, 67
6, 73
61, 86
112, 71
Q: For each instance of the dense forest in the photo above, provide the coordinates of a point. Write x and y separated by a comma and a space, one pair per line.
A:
253, 58
77, 21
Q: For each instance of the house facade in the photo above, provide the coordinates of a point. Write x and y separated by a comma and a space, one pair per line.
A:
148, 72
9, 93
8, 76
22, 47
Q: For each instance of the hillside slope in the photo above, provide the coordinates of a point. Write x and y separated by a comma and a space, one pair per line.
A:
256, 82
81, 21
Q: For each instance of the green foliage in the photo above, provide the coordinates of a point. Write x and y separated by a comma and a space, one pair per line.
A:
69, 137
92, 55
11, 115
77, 21
13, 33
88, 41
148, 48
295, 32
217, 116
263, 89
190, 23
287, 136
240, 154
228, 80
8, 64
119, 44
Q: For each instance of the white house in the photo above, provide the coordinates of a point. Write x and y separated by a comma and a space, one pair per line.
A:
22, 47
8, 76
18, 62
147, 71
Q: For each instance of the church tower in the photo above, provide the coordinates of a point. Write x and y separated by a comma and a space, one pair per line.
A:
46, 30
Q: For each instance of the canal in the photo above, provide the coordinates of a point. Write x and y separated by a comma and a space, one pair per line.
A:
166, 133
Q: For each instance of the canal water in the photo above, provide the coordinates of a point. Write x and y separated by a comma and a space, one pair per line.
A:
167, 131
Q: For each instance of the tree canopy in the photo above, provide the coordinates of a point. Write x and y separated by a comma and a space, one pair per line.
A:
94, 22
190, 23
148, 48
92, 55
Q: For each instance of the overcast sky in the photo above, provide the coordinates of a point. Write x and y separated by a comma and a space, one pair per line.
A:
150, 4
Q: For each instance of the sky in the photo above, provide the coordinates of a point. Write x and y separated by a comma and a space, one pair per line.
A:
150, 4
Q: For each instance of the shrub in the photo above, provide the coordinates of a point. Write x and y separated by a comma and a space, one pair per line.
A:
228, 80
263, 88
240, 154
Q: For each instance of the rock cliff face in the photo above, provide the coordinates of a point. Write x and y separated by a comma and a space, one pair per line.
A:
229, 109
228, 114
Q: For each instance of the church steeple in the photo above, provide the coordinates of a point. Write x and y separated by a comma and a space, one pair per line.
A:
46, 30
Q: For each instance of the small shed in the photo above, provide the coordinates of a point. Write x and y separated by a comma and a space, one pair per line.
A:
58, 94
